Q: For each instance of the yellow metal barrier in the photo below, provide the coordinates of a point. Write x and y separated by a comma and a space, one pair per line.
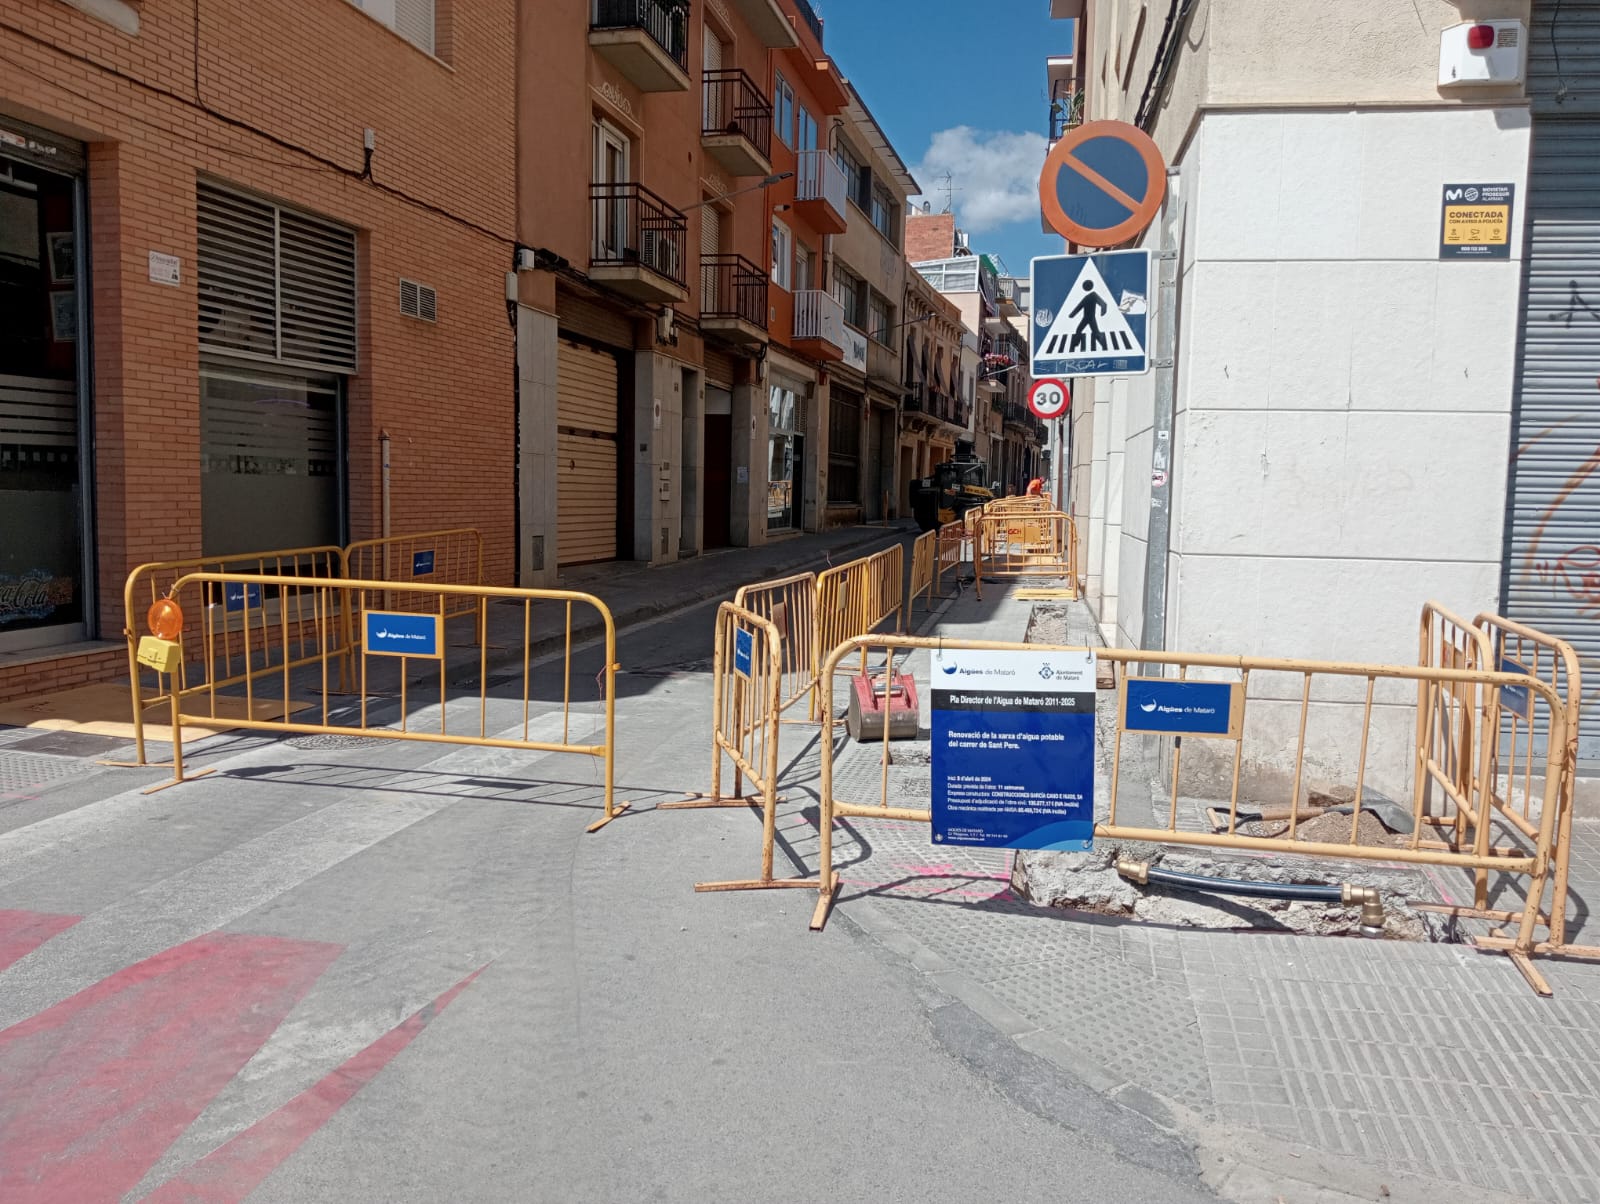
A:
1518, 648
1294, 713
747, 683
922, 561
853, 599
389, 644
148, 583
955, 540
790, 605
1026, 544
451, 557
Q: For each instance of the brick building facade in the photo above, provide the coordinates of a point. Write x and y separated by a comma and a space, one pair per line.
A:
237, 289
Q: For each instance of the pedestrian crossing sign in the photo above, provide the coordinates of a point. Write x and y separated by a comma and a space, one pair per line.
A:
1091, 314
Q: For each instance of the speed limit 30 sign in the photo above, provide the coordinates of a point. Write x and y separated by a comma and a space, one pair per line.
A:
1049, 397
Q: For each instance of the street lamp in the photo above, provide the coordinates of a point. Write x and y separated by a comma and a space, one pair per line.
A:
775, 178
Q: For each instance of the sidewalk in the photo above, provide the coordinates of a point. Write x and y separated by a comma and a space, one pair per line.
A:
636, 592
1308, 1069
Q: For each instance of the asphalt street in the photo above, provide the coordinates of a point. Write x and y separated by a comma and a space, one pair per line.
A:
369, 970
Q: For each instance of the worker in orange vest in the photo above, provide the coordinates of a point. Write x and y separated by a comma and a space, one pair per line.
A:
1035, 487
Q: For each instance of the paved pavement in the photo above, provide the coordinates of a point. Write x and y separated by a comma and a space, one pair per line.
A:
1306, 1069
341, 968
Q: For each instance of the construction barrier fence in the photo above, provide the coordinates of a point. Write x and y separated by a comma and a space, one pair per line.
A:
1294, 714
856, 598
922, 561
1036, 543
1521, 748
402, 689
452, 557
747, 687
790, 605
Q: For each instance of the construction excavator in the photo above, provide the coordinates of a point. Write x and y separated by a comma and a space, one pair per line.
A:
954, 487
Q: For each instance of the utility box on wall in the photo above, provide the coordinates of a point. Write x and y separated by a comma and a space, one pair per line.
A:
1483, 52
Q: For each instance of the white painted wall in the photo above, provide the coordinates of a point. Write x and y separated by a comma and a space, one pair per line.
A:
1344, 395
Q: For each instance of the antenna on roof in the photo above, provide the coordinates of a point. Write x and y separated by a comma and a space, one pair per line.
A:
948, 189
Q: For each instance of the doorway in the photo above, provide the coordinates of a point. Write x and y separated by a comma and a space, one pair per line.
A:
718, 471
45, 583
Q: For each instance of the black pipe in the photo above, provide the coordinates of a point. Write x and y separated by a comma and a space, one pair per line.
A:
1302, 892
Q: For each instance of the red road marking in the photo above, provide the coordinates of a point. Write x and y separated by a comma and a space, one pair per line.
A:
235, 1169
21, 932
94, 1089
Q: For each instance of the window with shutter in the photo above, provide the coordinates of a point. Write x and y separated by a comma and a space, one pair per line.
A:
275, 284
413, 20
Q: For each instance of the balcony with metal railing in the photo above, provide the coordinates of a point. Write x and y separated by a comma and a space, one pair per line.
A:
820, 190
818, 325
733, 299
646, 40
809, 16
737, 127
640, 243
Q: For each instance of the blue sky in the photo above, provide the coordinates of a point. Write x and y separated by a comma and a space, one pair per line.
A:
959, 86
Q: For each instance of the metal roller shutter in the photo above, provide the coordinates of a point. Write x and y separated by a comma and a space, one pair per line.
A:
591, 320
719, 368
1552, 570
586, 445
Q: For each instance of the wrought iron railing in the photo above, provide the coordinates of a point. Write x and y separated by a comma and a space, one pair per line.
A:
632, 225
735, 105
808, 14
666, 23
733, 287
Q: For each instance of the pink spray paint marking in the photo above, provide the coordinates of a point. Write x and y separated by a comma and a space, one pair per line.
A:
235, 1169
21, 932
94, 1089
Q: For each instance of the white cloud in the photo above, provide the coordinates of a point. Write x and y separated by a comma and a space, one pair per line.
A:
996, 172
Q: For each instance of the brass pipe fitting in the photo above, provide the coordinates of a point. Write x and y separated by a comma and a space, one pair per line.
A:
1134, 871
1371, 904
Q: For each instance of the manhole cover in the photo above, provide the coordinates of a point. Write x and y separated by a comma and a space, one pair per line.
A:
331, 741
24, 771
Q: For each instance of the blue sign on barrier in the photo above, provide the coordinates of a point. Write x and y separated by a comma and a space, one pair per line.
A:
744, 646
421, 563
1516, 699
397, 634
1013, 749
237, 596
1181, 708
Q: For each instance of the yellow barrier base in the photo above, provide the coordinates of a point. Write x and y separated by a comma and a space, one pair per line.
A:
699, 802
824, 907
759, 884
617, 810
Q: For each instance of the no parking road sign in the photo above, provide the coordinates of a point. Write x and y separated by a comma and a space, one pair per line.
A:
1049, 398
1102, 184
1091, 314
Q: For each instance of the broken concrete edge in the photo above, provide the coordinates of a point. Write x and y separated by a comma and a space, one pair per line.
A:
1240, 1165
1092, 881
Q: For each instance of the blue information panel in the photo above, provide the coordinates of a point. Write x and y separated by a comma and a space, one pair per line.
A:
744, 643
1516, 699
421, 563
392, 634
236, 596
1091, 314
1013, 749
1181, 708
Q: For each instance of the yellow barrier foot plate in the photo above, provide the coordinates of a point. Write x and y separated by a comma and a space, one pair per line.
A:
188, 777
819, 917
606, 819
698, 802
760, 884
1535, 979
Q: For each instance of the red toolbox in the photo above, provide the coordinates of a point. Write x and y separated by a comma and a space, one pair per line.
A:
873, 699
